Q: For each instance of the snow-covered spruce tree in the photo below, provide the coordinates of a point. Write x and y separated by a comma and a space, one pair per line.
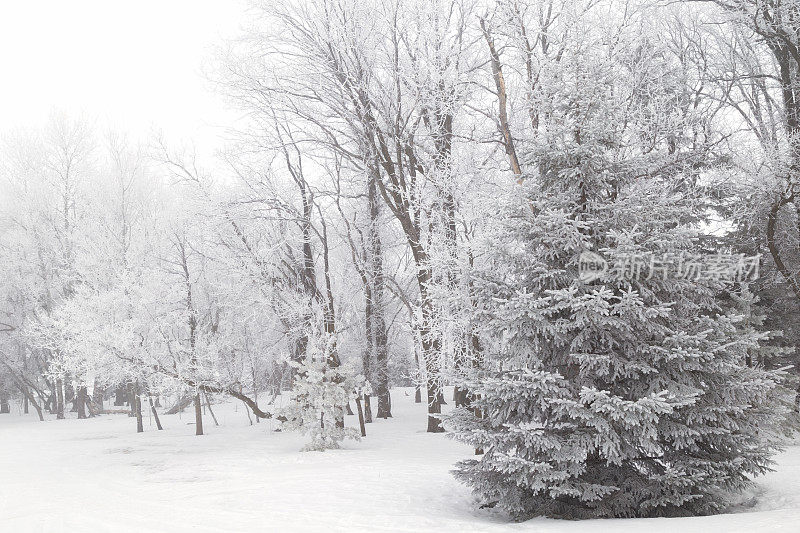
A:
320, 393
616, 397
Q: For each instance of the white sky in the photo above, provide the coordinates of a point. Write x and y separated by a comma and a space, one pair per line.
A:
130, 65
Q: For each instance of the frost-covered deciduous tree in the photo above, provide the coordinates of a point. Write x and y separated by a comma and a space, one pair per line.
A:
381, 88
47, 174
758, 55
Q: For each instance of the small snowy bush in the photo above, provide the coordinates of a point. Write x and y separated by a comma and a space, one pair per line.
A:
319, 396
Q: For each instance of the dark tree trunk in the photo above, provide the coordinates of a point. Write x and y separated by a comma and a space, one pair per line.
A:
130, 400
182, 403
255, 382
213, 416
136, 407
155, 413
247, 411
198, 415
384, 405
26, 393
94, 403
98, 395
367, 409
38, 409
460, 396
377, 289
500, 84
5, 407
431, 349
361, 417
25, 404
59, 399
119, 396
478, 414
50, 403
94, 409
70, 396
369, 330
382, 376
348, 410
440, 120
81, 400
417, 388
434, 407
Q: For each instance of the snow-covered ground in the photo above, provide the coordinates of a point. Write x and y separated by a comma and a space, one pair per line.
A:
99, 475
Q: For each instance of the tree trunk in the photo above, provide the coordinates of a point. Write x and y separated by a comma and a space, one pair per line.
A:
25, 404
94, 409
255, 386
367, 409
417, 388
181, 404
361, 417
434, 390
136, 406
460, 396
431, 350
369, 333
81, 400
478, 414
59, 399
38, 409
94, 403
247, 412
130, 400
434, 407
382, 371
98, 395
26, 393
155, 413
198, 415
500, 85
339, 417
70, 396
376, 293
119, 396
5, 407
213, 416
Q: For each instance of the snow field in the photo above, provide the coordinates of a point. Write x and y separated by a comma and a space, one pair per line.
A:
99, 475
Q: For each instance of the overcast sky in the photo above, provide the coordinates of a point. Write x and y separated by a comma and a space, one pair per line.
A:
131, 65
